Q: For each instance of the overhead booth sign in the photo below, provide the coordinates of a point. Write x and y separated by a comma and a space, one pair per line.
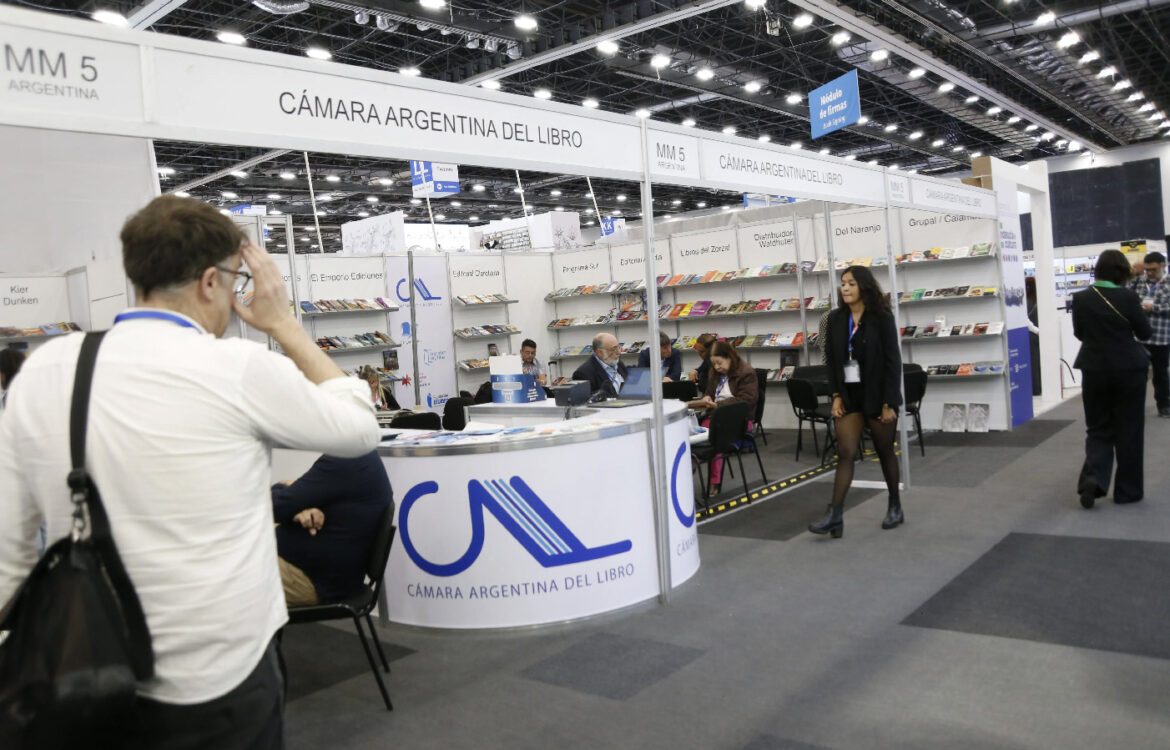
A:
835, 105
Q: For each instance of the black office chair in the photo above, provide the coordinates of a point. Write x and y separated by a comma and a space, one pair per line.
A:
359, 606
914, 382
762, 386
419, 420
723, 431
818, 375
455, 413
683, 390
808, 408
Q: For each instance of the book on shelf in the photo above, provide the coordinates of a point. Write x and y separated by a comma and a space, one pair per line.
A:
806, 266
881, 260
674, 280
969, 329
762, 305
930, 330
981, 368
493, 350
700, 308
308, 307
761, 271
738, 340
664, 308
785, 339
908, 332
990, 291
931, 293
749, 340
918, 294
980, 329
822, 264
866, 262
662, 277
676, 310
793, 304
995, 328
797, 338
978, 417
960, 291
686, 310
916, 257
626, 315
995, 366
956, 330
947, 253
965, 369
787, 268
980, 249
954, 417
963, 251
786, 373
709, 276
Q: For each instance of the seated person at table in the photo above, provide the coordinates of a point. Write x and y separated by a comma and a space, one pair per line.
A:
604, 370
530, 365
703, 347
383, 399
671, 359
327, 521
731, 380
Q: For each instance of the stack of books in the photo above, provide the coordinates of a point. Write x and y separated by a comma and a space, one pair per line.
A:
483, 299
961, 329
346, 305
950, 292
966, 368
49, 329
366, 340
487, 329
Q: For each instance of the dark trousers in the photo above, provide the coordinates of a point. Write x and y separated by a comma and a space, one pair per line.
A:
1115, 414
250, 717
1160, 361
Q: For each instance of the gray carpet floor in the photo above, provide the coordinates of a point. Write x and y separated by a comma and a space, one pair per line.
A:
1002, 615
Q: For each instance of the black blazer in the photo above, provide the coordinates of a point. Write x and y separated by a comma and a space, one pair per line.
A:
673, 363
593, 371
881, 375
1107, 337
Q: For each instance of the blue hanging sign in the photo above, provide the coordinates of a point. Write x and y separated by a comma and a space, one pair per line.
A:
835, 105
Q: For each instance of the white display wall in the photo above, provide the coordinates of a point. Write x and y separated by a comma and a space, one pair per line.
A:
479, 274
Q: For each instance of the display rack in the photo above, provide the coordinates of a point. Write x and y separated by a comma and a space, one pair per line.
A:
357, 349
464, 334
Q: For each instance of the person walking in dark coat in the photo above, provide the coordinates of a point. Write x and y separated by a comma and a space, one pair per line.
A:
1106, 317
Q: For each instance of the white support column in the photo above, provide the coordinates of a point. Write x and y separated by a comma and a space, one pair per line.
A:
1049, 318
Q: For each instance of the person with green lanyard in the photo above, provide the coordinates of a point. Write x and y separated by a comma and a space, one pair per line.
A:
1106, 318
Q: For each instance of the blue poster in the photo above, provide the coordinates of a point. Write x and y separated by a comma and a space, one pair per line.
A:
1020, 375
835, 105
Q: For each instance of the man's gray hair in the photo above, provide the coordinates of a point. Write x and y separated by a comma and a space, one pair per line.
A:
597, 340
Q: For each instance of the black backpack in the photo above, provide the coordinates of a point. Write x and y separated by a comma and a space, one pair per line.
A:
77, 642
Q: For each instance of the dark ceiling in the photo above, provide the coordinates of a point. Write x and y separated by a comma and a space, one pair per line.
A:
997, 45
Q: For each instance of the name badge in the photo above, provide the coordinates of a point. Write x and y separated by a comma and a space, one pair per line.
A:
852, 372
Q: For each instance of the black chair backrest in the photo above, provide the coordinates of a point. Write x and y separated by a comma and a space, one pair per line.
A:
818, 375
419, 420
455, 413
727, 425
683, 390
380, 548
915, 385
761, 390
803, 394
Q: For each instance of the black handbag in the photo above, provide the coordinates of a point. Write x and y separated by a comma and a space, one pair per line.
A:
77, 642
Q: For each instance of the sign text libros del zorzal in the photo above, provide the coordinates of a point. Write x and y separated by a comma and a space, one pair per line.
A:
409, 118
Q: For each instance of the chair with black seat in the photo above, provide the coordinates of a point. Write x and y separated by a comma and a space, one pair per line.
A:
808, 408
455, 413
758, 420
914, 383
359, 606
683, 390
419, 420
725, 428
818, 375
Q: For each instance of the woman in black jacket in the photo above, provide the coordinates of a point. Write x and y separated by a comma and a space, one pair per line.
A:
865, 372
1106, 317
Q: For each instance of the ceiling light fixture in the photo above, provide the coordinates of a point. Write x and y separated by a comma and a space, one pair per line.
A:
331, 178
879, 55
946, 87
231, 37
1089, 57
555, 193
525, 22
764, 138
372, 198
688, 123
752, 87
755, 4
1044, 18
591, 103
1013, 119
1135, 96
608, 47
1107, 71
432, 4
642, 113
803, 21
862, 120
415, 201
440, 217
972, 99
364, 214
915, 135
993, 111
318, 53
1068, 40
704, 74
890, 128
290, 176
621, 198
385, 24
542, 94
938, 143
1157, 116
701, 205
1030, 128
797, 145
113, 18
239, 175
957, 149
825, 151
840, 38
1048, 136
976, 154
273, 196
1146, 107
794, 98
658, 62
729, 130
1122, 84
410, 71
166, 171
473, 218
385, 181
917, 73
456, 204
229, 195
491, 84
850, 157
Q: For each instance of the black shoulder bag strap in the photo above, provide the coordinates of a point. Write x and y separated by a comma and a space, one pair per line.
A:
85, 492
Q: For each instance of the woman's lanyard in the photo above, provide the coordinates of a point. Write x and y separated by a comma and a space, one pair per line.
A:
722, 385
155, 315
852, 331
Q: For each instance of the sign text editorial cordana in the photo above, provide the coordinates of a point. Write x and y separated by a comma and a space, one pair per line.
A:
407, 118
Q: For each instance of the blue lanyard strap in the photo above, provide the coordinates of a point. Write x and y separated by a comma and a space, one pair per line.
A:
852, 330
155, 315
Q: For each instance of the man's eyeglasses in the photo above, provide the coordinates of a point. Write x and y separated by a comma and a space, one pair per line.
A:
241, 283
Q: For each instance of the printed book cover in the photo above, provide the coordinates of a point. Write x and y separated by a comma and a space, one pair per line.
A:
975, 291
954, 417
686, 310
962, 252
908, 332
808, 265
786, 372
918, 294
798, 338
966, 369
930, 330
980, 329
978, 417
763, 305
995, 328
700, 308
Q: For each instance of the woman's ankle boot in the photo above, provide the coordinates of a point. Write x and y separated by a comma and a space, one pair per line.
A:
894, 515
832, 523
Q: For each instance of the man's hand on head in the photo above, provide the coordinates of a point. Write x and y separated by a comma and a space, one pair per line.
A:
269, 309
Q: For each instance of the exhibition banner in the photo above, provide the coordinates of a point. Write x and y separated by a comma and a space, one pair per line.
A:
374, 236
30, 301
952, 197
835, 105
435, 368
1011, 252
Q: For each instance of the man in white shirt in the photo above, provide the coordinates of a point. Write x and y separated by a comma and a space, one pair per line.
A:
181, 423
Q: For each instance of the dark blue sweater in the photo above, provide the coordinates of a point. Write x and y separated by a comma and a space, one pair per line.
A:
352, 493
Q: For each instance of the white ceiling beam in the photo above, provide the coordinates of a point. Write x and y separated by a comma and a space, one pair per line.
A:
226, 171
152, 12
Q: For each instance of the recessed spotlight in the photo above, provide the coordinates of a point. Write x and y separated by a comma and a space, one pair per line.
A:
182, 194
113, 18
616, 212
415, 201
957, 149
764, 138
642, 113
239, 175
688, 123
1013, 119
972, 99
410, 71
1069, 39
385, 181
1048, 136
440, 217
840, 38
862, 120
945, 87
793, 98
824, 152
879, 55
803, 21
917, 73
1030, 128
473, 218
591, 103
620, 198
752, 87
608, 47
1135, 97
938, 143
894, 167
890, 128
324, 198
330, 178
796, 145
432, 4
755, 4
850, 157
1122, 84
542, 94
1107, 72
273, 196
873, 162
456, 204
993, 111
915, 135
676, 202
288, 176
976, 154
555, 193
701, 205
166, 171
704, 74
492, 84
319, 53
658, 62
525, 22
1044, 18
231, 37
364, 214
478, 188
372, 198
229, 195
729, 130
1146, 107
1089, 57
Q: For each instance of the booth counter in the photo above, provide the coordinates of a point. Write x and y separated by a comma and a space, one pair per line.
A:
543, 521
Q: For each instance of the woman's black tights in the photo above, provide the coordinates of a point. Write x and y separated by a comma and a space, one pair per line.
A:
849, 441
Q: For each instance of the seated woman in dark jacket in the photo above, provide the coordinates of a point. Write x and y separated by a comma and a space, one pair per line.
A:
865, 372
731, 380
1106, 317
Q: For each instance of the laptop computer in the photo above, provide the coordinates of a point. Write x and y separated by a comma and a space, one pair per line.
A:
635, 389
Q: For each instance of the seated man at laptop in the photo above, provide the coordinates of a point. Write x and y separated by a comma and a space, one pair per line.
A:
671, 359
327, 521
604, 370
